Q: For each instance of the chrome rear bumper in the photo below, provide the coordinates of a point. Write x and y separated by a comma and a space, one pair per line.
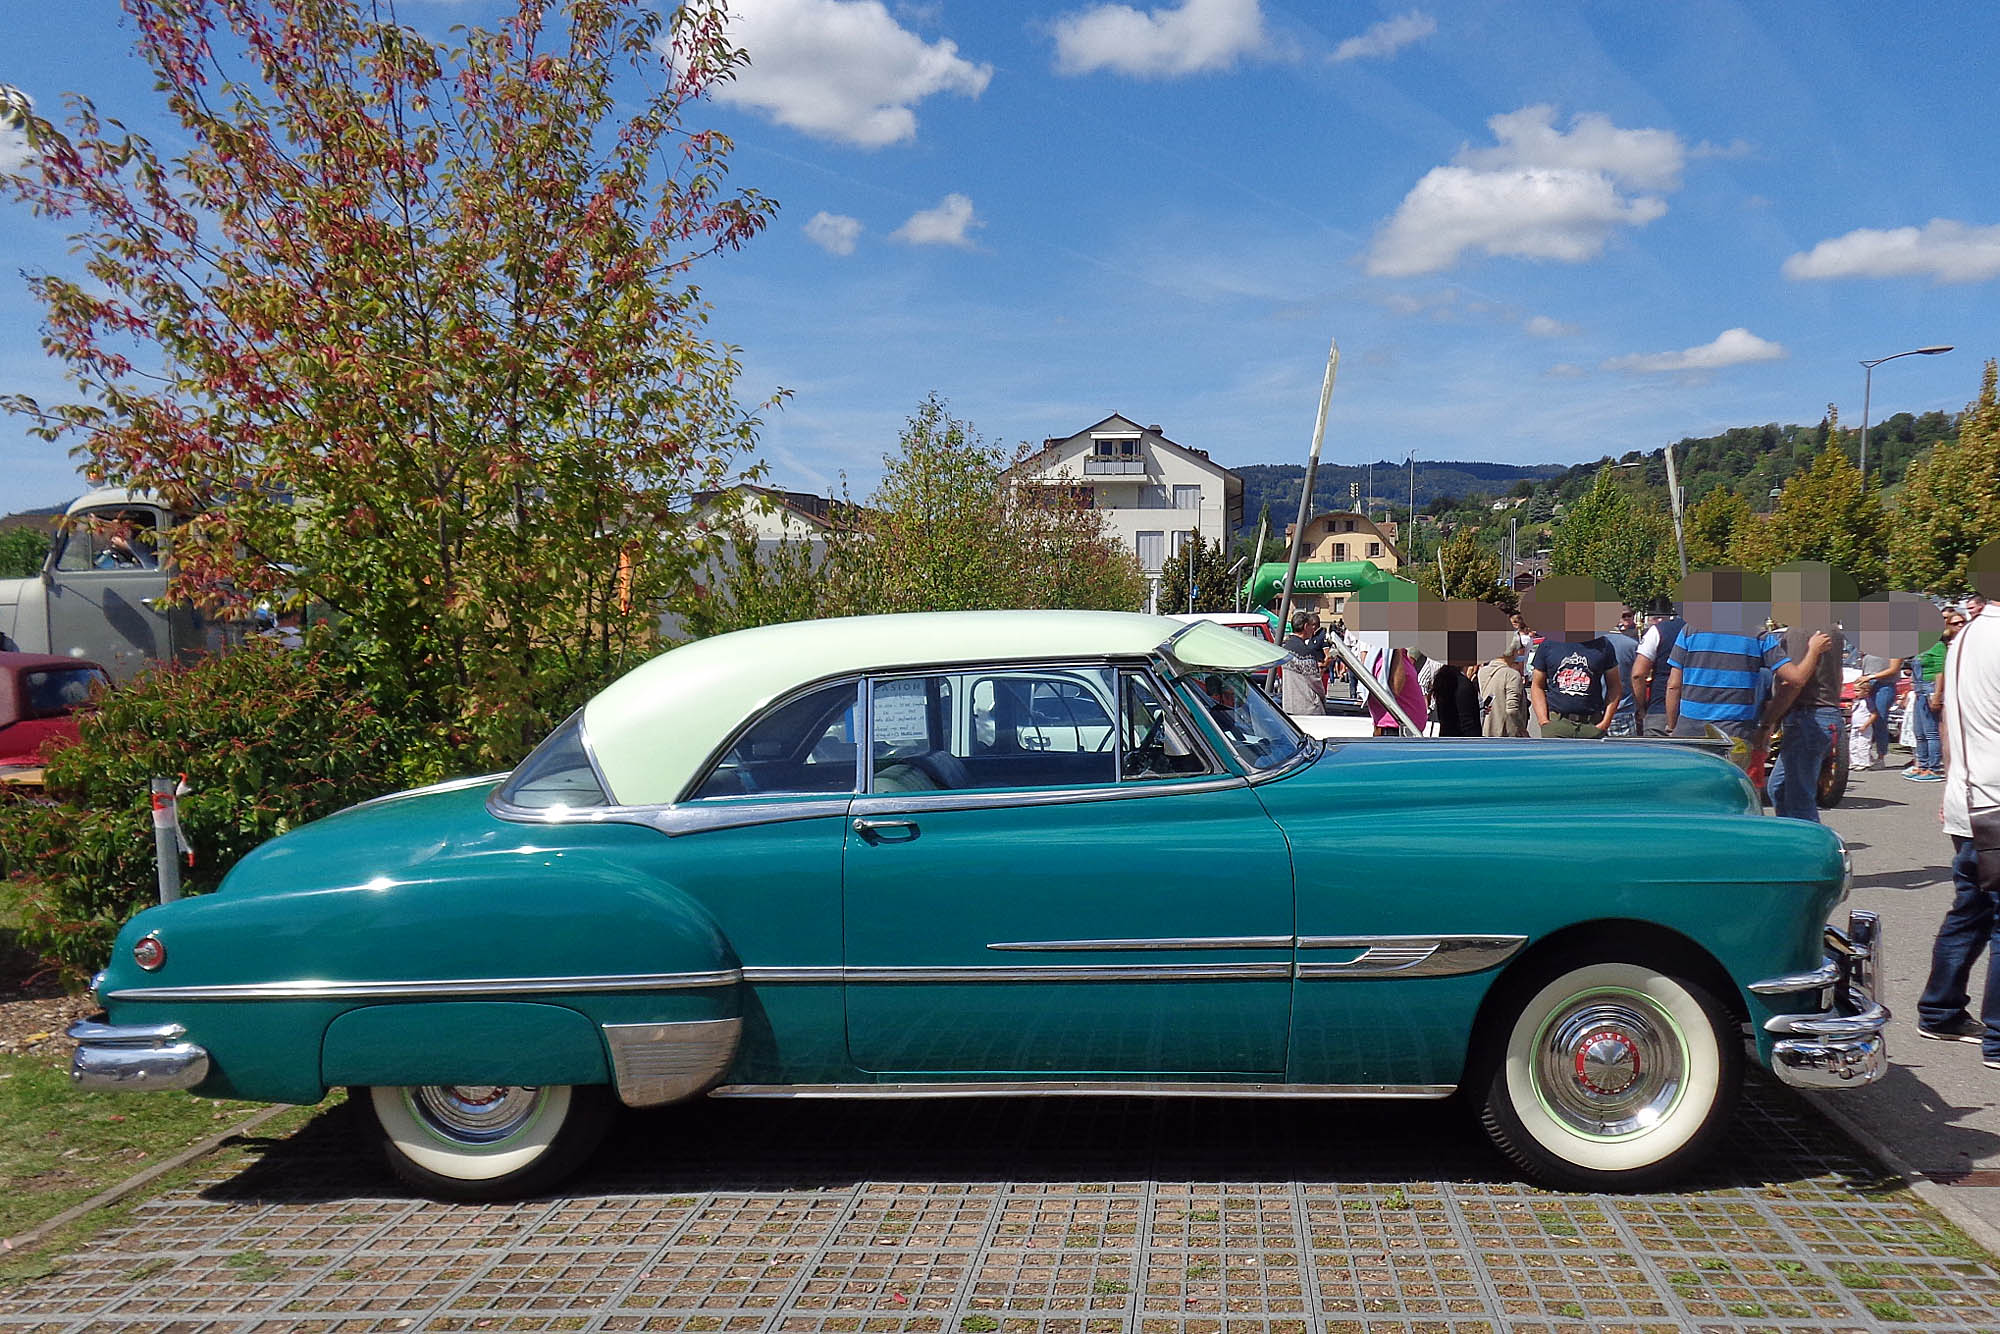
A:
1841, 1046
134, 1058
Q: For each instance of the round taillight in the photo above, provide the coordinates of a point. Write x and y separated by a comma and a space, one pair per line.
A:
149, 953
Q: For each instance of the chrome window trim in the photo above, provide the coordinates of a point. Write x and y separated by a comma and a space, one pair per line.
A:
590, 758
1152, 943
905, 803
1057, 1087
1176, 707
715, 757
316, 990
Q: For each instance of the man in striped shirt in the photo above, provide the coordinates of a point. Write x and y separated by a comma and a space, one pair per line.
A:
1717, 665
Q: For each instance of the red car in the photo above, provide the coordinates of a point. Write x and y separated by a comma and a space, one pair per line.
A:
39, 696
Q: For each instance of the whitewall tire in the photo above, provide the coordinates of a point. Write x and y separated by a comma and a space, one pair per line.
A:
1609, 1076
485, 1142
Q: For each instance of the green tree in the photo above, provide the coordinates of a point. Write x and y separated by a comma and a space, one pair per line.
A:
945, 530
1950, 503
416, 337
1824, 514
22, 551
1608, 537
1713, 525
1464, 568
1215, 588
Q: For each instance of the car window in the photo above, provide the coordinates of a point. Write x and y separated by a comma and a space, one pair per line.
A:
1155, 742
124, 540
557, 774
806, 744
1248, 722
54, 691
994, 729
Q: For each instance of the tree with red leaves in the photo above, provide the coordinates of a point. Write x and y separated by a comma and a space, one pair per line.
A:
411, 329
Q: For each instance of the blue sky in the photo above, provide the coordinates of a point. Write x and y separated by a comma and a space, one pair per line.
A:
1539, 232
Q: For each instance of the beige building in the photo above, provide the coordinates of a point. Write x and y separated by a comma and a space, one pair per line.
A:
1151, 491
1348, 535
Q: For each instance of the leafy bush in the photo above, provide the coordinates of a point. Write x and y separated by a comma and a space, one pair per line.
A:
22, 551
267, 738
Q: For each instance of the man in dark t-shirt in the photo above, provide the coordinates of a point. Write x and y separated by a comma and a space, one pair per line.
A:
1574, 687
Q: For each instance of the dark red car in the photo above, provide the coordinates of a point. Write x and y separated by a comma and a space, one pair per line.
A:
40, 694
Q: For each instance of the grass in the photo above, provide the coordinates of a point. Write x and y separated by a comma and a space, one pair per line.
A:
59, 1146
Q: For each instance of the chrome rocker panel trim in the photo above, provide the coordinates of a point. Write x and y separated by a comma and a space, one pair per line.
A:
1063, 1088
1843, 1045
134, 1058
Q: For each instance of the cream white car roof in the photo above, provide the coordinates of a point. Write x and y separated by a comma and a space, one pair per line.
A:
654, 727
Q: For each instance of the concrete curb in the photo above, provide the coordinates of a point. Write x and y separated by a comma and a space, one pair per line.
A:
138, 1181
1946, 1200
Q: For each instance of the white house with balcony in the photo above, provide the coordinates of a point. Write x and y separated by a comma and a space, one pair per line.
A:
1152, 492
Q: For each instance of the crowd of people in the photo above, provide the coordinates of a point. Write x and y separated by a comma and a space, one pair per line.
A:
1772, 690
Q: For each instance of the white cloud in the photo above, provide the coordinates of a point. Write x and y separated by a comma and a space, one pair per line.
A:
1642, 159
14, 151
1943, 251
1195, 37
834, 233
950, 223
1539, 193
1387, 37
1732, 347
1547, 326
1564, 370
842, 70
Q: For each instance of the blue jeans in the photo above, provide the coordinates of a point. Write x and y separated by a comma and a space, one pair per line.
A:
1930, 755
1967, 929
1880, 696
1794, 781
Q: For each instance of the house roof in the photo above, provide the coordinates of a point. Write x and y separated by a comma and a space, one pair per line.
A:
1373, 527
1199, 455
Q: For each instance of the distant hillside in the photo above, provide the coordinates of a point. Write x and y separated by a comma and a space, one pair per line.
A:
1277, 484
43, 518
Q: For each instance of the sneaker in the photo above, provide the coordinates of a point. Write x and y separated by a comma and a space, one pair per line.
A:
1993, 1063
1962, 1029
1926, 776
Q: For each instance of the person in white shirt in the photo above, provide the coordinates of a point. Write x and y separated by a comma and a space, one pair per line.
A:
1971, 817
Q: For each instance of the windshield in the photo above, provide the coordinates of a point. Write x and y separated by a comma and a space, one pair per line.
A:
1254, 728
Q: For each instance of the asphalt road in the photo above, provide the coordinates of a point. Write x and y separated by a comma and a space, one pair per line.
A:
1938, 1109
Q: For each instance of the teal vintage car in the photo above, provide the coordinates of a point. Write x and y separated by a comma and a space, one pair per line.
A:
1007, 852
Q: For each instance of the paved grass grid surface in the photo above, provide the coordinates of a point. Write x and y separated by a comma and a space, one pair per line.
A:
1058, 1215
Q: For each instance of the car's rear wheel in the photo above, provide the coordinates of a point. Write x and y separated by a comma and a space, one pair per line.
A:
1608, 1076
486, 1141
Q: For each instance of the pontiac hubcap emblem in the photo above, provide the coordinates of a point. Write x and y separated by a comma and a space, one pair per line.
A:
1607, 1062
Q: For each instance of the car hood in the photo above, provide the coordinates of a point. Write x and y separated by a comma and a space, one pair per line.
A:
1528, 775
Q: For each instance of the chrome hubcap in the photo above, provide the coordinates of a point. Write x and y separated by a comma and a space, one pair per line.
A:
475, 1113
1608, 1065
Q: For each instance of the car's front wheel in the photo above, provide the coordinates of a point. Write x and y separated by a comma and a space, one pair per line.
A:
1608, 1076
486, 1141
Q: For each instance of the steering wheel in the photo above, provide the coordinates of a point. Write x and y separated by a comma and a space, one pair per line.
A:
1150, 755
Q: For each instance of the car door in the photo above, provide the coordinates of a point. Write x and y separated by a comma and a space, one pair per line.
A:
1029, 892
104, 585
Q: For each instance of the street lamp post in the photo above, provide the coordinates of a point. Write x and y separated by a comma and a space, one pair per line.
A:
1868, 386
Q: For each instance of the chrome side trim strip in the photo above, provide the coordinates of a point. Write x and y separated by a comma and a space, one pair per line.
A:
96, 1033
1085, 1088
1135, 972
433, 990
806, 973
653, 1064
1159, 943
1409, 956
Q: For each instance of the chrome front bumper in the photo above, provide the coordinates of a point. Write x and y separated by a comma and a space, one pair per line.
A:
134, 1058
1840, 1046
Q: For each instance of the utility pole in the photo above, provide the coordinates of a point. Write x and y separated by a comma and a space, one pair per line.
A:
1305, 493
1674, 495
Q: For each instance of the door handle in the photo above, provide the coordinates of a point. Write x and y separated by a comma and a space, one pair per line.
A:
887, 831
